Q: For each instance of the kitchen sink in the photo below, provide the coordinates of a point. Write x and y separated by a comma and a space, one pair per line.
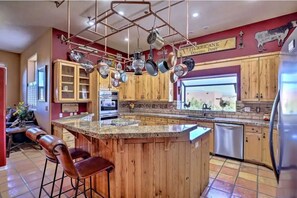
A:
199, 116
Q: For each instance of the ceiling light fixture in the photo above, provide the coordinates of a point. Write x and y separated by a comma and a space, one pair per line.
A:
196, 14
126, 39
121, 13
90, 22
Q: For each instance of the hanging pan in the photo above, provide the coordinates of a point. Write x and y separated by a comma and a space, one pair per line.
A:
163, 65
190, 63
124, 76
102, 68
181, 69
150, 66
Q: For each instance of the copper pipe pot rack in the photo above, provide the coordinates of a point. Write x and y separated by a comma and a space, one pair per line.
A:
102, 18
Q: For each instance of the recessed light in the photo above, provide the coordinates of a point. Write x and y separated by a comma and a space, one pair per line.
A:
196, 14
121, 13
126, 39
90, 22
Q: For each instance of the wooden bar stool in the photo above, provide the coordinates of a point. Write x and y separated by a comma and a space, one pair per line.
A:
35, 135
82, 169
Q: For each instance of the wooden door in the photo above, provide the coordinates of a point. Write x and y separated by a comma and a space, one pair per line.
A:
155, 87
122, 94
252, 147
129, 87
164, 86
265, 147
211, 134
249, 80
104, 83
83, 85
268, 75
141, 87
149, 90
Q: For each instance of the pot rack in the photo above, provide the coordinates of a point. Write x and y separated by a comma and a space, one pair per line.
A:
102, 19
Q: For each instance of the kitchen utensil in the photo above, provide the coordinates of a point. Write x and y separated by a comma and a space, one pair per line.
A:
155, 39
190, 63
163, 65
88, 66
115, 82
102, 68
171, 60
119, 66
76, 56
173, 77
181, 70
124, 76
150, 66
115, 75
138, 63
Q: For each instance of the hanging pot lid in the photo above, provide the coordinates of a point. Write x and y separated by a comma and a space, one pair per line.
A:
115, 82
102, 68
124, 76
88, 66
76, 56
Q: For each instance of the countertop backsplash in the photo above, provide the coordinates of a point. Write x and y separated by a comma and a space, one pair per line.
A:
171, 108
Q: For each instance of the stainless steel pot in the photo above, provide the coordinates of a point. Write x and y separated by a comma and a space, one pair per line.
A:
150, 66
124, 76
88, 66
173, 77
155, 40
181, 70
115, 75
190, 63
171, 60
102, 68
115, 82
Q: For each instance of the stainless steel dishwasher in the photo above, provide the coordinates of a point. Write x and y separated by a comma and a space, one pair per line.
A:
228, 140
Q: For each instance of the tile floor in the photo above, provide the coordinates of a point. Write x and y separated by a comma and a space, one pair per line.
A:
228, 178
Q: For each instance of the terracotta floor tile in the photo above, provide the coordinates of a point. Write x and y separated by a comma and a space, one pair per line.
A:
214, 167
214, 193
248, 176
260, 195
267, 181
249, 169
226, 178
249, 164
219, 158
36, 184
11, 184
268, 174
216, 162
9, 178
246, 184
229, 171
210, 181
264, 168
223, 186
26, 195
205, 191
213, 174
233, 161
231, 165
244, 193
268, 190
13, 192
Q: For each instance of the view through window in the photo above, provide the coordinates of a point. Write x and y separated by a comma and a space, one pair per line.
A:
218, 93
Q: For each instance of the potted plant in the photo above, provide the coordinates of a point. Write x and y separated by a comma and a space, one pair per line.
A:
23, 114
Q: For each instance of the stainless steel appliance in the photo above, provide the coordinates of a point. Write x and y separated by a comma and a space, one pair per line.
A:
284, 163
228, 140
108, 105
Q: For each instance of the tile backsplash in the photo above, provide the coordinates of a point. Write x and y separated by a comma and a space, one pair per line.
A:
171, 108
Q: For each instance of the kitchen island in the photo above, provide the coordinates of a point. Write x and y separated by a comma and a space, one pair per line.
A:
150, 161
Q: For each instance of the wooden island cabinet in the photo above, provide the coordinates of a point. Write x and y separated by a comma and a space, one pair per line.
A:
150, 161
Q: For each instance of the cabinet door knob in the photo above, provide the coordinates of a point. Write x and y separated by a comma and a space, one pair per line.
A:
257, 95
246, 139
259, 138
261, 96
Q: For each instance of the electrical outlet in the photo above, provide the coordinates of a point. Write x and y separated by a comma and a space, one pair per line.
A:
247, 109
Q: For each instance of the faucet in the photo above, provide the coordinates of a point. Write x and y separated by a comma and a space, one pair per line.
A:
204, 108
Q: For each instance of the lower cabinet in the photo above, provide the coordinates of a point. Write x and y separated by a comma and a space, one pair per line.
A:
252, 147
211, 134
266, 159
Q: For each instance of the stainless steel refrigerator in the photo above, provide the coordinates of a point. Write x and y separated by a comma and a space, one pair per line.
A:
285, 107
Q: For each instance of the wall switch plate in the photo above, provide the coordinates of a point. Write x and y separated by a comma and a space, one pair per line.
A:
247, 109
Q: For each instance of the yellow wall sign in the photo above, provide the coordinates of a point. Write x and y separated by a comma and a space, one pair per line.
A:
214, 46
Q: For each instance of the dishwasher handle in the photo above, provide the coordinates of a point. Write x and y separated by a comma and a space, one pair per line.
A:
228, 125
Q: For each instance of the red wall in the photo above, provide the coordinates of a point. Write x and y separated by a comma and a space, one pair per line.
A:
60, 52
2, 116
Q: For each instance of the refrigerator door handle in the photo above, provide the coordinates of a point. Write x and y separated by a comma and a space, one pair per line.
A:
272, 116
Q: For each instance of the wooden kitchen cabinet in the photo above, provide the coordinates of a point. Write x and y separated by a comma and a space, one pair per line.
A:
266, 159
252, 147
141, 92
259, 78
211, 134
71, 82
127, 89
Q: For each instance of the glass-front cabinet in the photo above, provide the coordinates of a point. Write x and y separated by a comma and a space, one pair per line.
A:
72, 83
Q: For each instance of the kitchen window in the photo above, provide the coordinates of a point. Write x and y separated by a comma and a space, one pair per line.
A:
216, 93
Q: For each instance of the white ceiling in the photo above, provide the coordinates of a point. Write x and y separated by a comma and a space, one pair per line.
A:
22, 22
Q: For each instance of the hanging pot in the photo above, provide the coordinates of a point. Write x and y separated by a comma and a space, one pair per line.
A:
163, 65
171, 60
115, 82
124, 76
181, 70
88, 66
150, 66
115, 75
102, 68
190, 63
173, 77
155, 39
76, 56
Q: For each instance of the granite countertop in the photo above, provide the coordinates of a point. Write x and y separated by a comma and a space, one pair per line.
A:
206, 119
121, 128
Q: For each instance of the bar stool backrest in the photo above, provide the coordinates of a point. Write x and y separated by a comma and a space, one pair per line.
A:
35, 134
65, 159
48, 143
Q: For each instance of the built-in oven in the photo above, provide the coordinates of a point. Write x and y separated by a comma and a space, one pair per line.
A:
108, 104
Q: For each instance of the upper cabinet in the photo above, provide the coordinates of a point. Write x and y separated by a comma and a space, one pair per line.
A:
259, 78
127, 89
71, 82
